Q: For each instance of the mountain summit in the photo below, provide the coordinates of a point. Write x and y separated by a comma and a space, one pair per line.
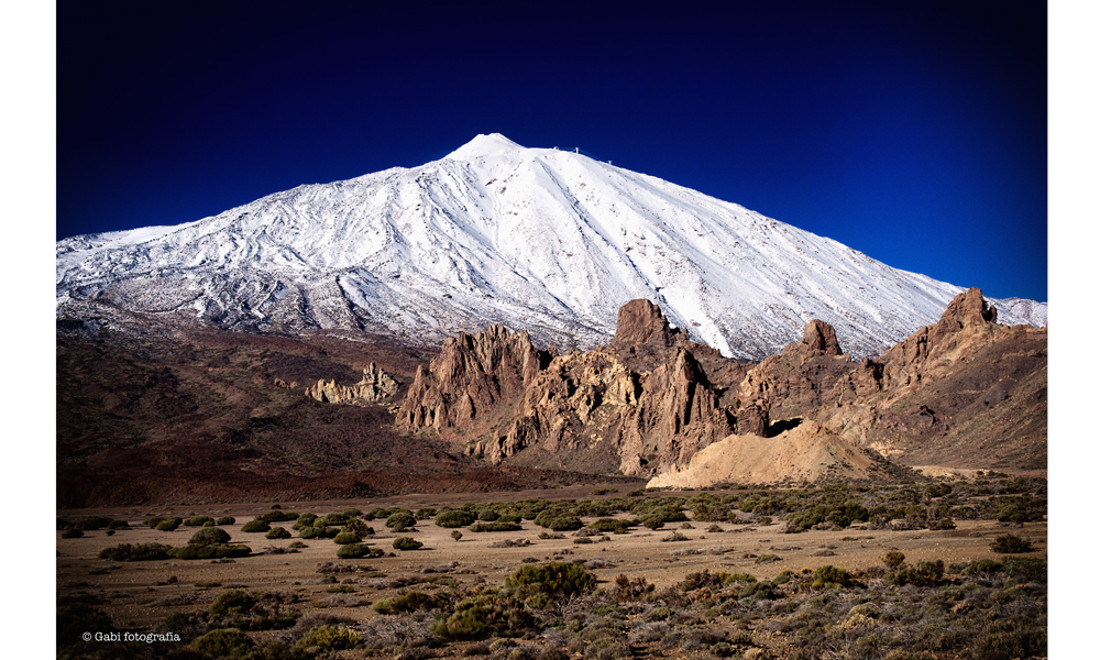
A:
549, 241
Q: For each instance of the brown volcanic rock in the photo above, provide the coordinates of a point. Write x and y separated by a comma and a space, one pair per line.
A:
641, 323
472, 374
964, 392
376, 386
644, 403
802, 377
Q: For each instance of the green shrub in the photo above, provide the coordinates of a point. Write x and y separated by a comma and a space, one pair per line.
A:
347, 536
456, 535
223, 643
893, 559
93, 522
487, 514
209, 536
553, 578
212, 551
352, 512
319, 533
481, 615
278, 516
357, 551
232, 602
406, 602
225, 520
118, 524
304, 520
454, 518
197, 521
72, 533
169, 524
613, 525
830, 576
152, 523
255, 526
924, 574
400, 520
495, 526
328, 638
140, 552
406, 543
1010, 544
278, 533
558, 523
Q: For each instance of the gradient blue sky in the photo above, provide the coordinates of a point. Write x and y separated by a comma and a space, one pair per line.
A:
912, 131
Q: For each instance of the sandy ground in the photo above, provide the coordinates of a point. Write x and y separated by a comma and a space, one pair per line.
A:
137, 594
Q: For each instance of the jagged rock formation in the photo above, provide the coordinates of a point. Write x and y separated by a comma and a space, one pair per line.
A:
642, 404
376, 386
964, 392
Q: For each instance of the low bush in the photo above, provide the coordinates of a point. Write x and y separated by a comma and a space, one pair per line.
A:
347, 536
406, 602
358, 551
924, 574
319, 533
169, 524
211, 551
197, 521
450, 518
830, 576
484, 614
613, 525
278, 533
400, 520
893, 559
553, 578
558, 523
1010, 544
72, 533
406, 543
209, 536
328, 638
139, 552
223, 643
256, 526
495, 526
225, 520
277, 515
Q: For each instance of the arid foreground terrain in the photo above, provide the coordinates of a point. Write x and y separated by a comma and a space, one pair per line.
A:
234, 495
937, 569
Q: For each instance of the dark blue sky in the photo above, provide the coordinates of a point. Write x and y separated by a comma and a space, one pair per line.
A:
912, 131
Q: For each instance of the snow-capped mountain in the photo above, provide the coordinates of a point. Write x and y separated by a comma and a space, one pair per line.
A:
539, 239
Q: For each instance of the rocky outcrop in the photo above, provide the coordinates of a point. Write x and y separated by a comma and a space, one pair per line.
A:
800, 378
470, 377
642, 325
965, 392
376, 386
644, 403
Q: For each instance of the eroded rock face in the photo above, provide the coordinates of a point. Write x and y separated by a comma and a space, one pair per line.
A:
643, 404
800, 378
641, 323
376, 386
471, 375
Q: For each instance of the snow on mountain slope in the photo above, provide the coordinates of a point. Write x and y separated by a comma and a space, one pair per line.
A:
547, 240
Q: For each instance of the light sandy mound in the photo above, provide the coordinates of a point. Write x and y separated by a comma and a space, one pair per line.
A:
806, 452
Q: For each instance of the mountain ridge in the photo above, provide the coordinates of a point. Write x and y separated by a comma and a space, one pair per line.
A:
548, 240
